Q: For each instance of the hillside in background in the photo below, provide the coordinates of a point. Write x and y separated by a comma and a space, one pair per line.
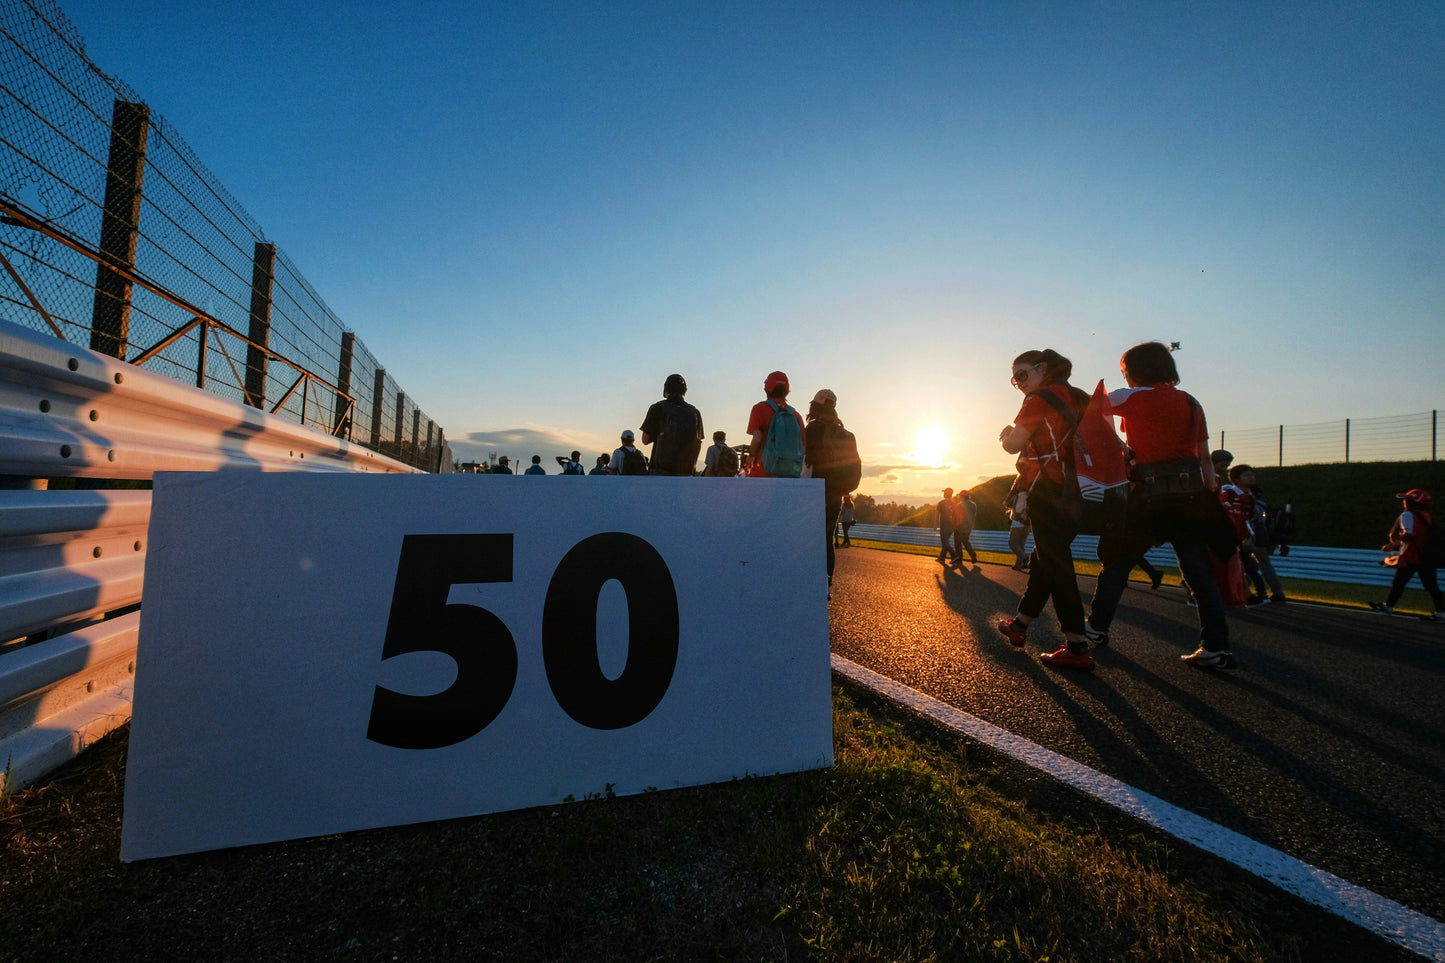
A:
1338, 505
989, 496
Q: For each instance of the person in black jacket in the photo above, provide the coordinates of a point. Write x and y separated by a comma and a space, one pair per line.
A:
830, 453
819, 457
674, 430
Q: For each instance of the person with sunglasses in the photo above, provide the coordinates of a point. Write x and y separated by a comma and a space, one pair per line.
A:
1039, 433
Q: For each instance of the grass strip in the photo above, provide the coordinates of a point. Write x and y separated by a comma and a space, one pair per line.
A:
915, 846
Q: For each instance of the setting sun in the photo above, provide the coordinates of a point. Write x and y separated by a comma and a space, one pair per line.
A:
932, 443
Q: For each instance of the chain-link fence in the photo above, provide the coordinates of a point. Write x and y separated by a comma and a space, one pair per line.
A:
113, 235
1396, 438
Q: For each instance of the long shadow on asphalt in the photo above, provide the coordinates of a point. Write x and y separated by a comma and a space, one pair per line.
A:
1310, 629
968, 592
1322, 784
1128, 743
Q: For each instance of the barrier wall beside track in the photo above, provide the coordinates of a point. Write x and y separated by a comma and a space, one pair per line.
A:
1349, 565
72, 561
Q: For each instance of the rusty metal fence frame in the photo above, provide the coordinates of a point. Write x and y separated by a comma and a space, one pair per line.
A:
114, 236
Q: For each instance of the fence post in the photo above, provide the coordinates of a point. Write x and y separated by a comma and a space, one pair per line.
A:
1434, 432
377, 400
1281, 446
416, 428
119, 228
204, 330
400, 424
1347, 441
344, 417
263, 271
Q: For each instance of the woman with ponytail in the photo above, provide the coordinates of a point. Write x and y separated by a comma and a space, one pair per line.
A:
1040, 433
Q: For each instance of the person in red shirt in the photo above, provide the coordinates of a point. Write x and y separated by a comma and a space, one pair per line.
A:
760, 419
1166, 430
1039, 433
1419, 548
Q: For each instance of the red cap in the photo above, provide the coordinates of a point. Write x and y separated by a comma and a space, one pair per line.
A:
775, 379
1416, 496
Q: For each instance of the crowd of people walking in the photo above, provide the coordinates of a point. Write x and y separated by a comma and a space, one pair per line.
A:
1210, 511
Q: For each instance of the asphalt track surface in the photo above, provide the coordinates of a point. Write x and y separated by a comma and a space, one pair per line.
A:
1327, 743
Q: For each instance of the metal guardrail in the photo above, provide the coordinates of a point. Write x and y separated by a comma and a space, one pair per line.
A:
1349, 565
72, 562
67, 411
69, 556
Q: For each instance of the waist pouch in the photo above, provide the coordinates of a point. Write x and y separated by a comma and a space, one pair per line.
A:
1160, 482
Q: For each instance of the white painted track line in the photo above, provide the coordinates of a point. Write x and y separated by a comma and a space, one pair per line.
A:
1396, 923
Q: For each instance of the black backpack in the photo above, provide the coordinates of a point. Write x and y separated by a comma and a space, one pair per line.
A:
727, 462
838, 464
679, 440
1282, 526
634, 462
1432, 553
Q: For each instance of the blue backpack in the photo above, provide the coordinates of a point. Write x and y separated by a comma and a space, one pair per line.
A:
782, 454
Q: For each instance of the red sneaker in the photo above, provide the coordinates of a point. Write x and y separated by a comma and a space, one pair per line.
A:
1014, 630
1065, 658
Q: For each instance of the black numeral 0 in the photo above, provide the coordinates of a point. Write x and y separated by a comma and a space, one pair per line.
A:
422, 621
569, 631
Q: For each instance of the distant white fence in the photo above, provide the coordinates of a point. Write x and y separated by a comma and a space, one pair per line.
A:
72, 562
1351, 565
1412, 437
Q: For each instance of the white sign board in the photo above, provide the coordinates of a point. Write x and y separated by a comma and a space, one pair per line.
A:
321, 653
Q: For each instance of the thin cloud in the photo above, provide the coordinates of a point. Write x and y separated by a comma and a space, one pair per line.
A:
871, 471
522, 444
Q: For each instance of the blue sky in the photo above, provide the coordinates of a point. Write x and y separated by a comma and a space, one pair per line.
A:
533, 213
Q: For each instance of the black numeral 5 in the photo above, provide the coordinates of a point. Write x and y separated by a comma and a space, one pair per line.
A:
421, 620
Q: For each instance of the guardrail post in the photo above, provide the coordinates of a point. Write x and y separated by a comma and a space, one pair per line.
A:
263, 271
119, 228
378, 392
344, 402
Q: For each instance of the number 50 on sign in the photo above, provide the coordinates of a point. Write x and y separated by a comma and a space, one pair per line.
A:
325, 653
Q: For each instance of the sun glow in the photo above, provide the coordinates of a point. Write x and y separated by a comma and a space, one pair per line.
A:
932, 443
